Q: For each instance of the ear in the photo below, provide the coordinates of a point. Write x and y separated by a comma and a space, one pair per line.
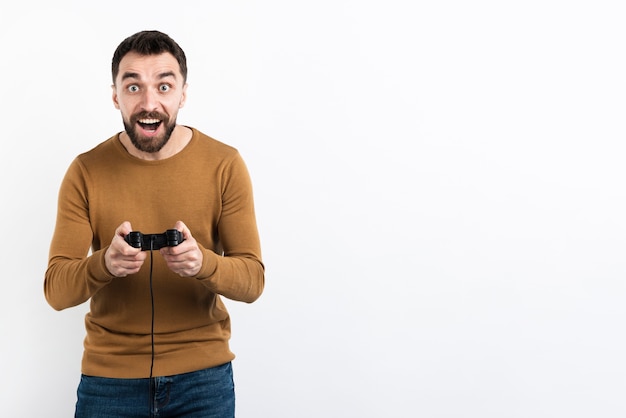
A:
114, 97
183, 98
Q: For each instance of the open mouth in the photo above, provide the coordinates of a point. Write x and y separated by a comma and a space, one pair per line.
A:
149, 125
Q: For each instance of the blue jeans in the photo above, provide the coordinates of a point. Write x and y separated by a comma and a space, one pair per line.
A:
205, 393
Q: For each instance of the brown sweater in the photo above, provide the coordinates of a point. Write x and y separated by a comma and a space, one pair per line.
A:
206, 186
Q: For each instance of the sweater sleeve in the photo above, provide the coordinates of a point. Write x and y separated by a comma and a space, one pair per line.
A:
238, 273
73, 275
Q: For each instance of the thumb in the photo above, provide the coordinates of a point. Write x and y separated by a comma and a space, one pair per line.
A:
124, 229
180, 225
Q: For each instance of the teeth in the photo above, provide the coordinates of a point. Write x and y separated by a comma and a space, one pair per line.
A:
149, 121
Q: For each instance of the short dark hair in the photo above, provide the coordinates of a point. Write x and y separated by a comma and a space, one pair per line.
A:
149, 42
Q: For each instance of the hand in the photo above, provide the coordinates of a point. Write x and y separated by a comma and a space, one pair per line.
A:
185, 259
120, 258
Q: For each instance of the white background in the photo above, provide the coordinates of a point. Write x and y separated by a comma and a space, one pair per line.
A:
439, 187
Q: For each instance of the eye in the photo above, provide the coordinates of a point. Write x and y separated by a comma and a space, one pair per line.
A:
133, 88
163, 88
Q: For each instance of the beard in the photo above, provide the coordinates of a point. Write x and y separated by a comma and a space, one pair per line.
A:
150, 144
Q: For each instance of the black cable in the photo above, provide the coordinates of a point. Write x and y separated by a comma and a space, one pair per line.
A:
152, 318
151, 326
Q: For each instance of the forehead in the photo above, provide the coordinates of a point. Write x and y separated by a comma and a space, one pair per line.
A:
146, 67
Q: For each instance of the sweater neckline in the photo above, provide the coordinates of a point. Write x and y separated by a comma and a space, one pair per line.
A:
122, 150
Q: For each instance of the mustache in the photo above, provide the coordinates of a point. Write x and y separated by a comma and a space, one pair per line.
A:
148, 115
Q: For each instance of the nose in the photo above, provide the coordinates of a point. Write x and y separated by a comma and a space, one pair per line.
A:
149, 100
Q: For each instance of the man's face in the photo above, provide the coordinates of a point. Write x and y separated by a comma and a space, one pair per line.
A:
148, 91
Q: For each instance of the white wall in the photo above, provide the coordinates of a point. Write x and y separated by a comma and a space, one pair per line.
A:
439, 185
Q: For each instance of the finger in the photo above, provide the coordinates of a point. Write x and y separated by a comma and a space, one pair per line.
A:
124, 229
180, 225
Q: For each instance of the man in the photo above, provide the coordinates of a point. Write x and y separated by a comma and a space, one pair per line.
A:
157, 333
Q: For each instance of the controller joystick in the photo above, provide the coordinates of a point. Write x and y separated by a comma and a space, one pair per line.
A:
169, 238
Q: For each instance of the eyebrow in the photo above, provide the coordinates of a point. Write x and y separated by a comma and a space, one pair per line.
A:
166, 74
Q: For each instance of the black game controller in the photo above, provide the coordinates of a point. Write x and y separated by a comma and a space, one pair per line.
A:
169, 238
